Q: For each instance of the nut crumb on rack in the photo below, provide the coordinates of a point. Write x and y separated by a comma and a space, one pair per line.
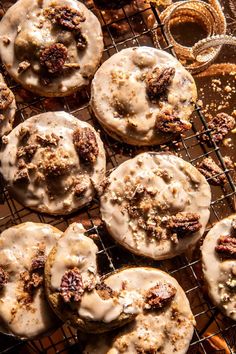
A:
219, 127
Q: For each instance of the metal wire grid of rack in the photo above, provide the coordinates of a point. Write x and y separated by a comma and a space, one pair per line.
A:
128, 28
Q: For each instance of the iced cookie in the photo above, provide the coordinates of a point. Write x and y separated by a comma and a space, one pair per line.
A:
48, 45
219, 265
164, 323
156, 205
53, 163
7, 108
75, 291
24, 310
143, 96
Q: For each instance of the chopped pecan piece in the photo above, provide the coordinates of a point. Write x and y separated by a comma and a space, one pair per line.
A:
6, 96
48, 140
86, 145
38, 261
65, 16
81, 185
3, 278
184, 223
158, 80
211, 170
53, 57
168, 123
31, 281
55, 163
226, 247
26, 152
160, 295
81, 41
220, 126
104, 291
23, 66
22, 176
71, 288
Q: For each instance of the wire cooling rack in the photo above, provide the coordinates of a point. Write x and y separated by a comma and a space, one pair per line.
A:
131, 26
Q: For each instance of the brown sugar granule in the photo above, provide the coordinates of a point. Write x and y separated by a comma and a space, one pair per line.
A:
3, 278
226, 247
53, 57
169, 123
6, 96
86, 145
220, 126
71, 288
160, 295
212, 171
158, 80
184, 223
65, 16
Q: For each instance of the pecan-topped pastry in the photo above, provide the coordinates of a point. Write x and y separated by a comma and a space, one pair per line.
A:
53, 163
156, 205
24, 311
75, 290
50, 47
219, 265
165, 323
7, 108
143, 96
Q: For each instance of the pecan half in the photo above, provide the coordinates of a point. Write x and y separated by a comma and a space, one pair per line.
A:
158, 80
168, 123
160, 295
53, 57
184, 223
86, 144
104, 291
27, 152
65, 16
6, 96
220, 126
211, 170
226, 247
3, 278
71, 288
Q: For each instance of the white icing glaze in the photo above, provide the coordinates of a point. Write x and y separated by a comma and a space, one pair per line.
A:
8, 113
35, 195
18, 245
217, 272
22, 24
183, 190
120, 79
157, 330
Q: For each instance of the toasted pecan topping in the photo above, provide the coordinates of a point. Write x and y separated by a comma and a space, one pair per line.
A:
220, 126
211, 170
71, 288
158, 80
31, 281
168, 123
226, 247
65, 16
86, 144
53, 57
184, 223
81, 41
160, 295
26, 152
22, 176
47, 140
55, 163
104, 291
38, 261
6, 96
3, 278
81, 184
23, 66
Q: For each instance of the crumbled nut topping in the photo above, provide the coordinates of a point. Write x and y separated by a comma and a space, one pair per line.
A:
3, 278
22, 176
65, 16
184, 223
53, 57
168, 123
48, 140
81, 41
71, 288
104, 291
160, 295
6, 96
55, 163
220, 126
158, 80
81, 185
31, 281
26, 152
86, 144
38, 261
23, 66
212, 171
226, 247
